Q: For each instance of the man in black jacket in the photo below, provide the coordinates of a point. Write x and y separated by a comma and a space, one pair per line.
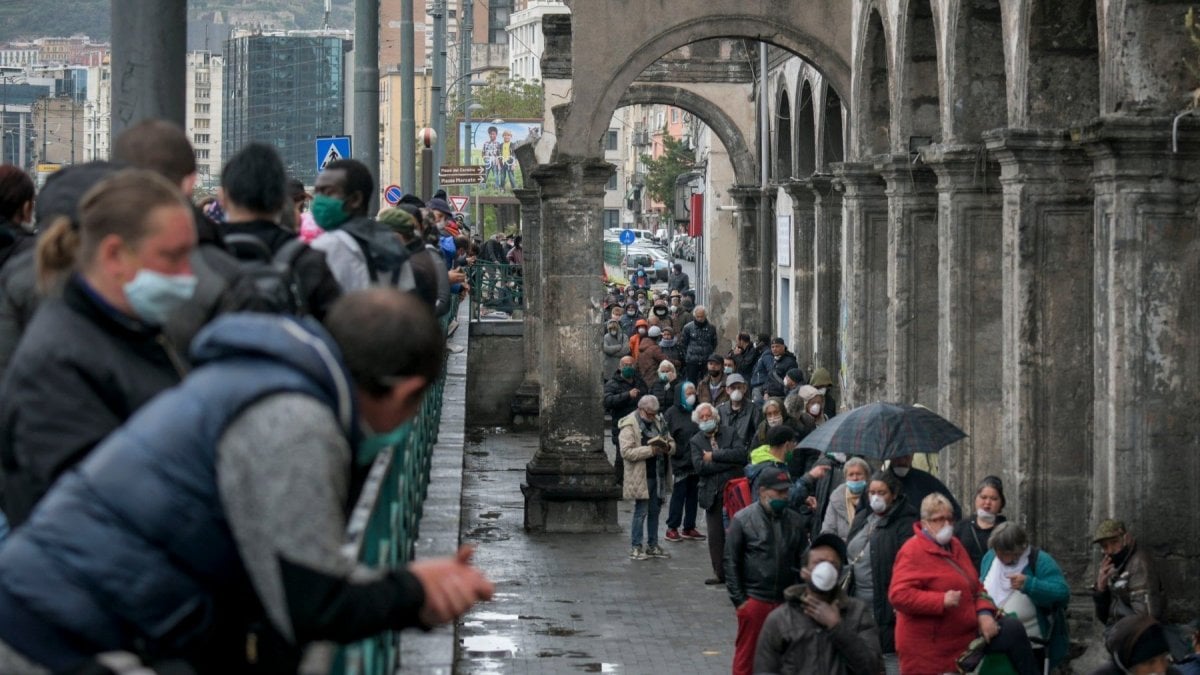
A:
762, 552
698, 339
781, 362
621, 396
253, 193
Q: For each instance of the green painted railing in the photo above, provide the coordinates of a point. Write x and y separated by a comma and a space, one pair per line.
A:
496, 287
383, 526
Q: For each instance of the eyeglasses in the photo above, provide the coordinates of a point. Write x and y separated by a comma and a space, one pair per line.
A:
941, 519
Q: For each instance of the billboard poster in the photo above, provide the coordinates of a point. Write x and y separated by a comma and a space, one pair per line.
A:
493, 146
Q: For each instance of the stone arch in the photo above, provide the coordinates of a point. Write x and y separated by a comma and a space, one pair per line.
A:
976, 70
806, 131
782, 149
833, 135
1056, 55
708, 112
807, 34
872, 119
920, 109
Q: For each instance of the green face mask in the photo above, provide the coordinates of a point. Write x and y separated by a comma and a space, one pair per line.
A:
627, 371
374, 444
329, 212
777, 505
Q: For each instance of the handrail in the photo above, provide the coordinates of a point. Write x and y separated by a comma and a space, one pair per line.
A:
496, 287
382, 529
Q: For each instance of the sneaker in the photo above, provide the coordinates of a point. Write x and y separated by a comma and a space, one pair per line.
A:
638, 554
656, 551
693, 534
713, 581
673, 536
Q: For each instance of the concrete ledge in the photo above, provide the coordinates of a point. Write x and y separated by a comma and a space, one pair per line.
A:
434, 652
497, 328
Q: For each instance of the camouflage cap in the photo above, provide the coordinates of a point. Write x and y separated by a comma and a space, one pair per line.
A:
1109, 529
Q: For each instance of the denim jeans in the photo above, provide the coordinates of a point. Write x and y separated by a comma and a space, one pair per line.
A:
683, 503
645, 513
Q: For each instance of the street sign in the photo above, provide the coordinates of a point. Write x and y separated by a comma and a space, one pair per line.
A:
331, 149
458, 203
461, 175
392, 194
627, 237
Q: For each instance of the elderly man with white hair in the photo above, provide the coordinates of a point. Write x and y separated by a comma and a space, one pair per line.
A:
719, 456
645, 443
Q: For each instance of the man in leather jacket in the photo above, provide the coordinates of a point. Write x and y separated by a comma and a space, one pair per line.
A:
1127, 582
762, 552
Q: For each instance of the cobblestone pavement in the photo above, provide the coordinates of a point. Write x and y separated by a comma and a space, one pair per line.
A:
577, 603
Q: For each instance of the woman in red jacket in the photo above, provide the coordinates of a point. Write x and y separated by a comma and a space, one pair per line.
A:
940, 603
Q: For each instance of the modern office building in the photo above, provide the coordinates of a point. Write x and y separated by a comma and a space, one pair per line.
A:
285, 90
205, 83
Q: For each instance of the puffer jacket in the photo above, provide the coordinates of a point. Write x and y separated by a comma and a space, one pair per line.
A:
617, 400
762, 553
614, 347
728, 461
699, 341
929, 635
889, 537
635, 454
682, 428
792, 642
776, 371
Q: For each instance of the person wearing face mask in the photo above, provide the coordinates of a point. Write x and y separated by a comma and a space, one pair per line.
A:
881, 526
670, 346
640, 330
824, 383
614, 345
743, 356
820, 629
664, 381
645, 445
844, 499
717, 458
624, 389
681, 514
935, 590
1127, 582
779, 453
185, 536
95, 353
974, 532
918, 483
773, 415
762, 552
699, 342
629, 319
662, 312
738, 412
712, 385
1025, 581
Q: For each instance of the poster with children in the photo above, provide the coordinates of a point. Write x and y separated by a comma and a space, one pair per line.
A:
493, 145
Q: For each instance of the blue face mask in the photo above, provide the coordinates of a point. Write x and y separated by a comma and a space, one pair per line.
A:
856, 486
374, 444
663, 377
155, 296
708, 425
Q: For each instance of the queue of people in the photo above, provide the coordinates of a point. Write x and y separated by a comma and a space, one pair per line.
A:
833, 563
197, 360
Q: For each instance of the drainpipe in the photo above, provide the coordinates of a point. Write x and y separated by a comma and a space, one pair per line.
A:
766, 229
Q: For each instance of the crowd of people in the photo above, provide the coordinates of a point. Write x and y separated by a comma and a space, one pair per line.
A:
837, 564
164, 363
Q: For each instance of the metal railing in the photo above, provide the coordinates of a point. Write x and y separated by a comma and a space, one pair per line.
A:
383, 526
497, 291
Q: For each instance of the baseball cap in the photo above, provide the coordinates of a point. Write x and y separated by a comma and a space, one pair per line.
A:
1108, 529
734, 379
716, 358
774, 479
832, 541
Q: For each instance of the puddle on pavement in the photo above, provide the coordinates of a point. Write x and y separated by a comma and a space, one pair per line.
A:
526, 617
558, 631
488, 646
494, 616
479, 453
599, 667
551, 653
490, 515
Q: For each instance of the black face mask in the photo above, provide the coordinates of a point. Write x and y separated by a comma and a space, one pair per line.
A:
1119, 557
715, 374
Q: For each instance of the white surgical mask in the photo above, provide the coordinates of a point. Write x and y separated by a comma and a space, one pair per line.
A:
691, 399
944, 535
900, 471
878, 503
985, 516
824, 576
814, 409
735, 395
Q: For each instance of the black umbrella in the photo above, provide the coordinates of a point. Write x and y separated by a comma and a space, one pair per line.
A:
884, 431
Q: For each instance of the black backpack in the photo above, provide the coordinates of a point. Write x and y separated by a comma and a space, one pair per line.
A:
267, 282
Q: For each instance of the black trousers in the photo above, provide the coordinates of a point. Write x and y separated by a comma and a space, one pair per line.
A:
1014, 643
715, 524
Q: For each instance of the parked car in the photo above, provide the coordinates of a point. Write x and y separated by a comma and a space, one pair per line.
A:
655, 261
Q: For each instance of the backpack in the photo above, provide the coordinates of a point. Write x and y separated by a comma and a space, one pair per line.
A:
267, 282
736, 496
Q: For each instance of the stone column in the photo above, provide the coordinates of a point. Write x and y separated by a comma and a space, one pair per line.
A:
569, 483
149, 62
803, 270
1047, 333
525, 405
752, 314
1147, 325
863, 322
912, 280
827, 277
969, 346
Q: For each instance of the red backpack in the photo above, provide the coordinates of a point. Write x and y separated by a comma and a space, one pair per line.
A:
736, 496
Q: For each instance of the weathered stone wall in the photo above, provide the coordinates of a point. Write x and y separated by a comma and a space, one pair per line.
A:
493, 371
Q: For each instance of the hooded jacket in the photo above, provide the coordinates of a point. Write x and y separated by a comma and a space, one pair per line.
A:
614, 347
320, 287
792, 642
149, 545
923, 573
650, 356
635, 340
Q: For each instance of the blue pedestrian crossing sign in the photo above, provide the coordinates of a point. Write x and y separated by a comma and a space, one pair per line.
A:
331, 149
627, 237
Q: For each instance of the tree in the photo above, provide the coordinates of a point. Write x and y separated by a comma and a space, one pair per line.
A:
661, 173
